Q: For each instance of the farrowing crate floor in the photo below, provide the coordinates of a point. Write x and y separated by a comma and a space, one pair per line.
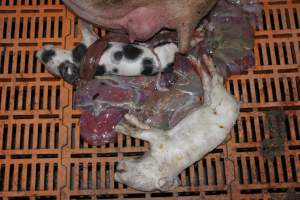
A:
43, 157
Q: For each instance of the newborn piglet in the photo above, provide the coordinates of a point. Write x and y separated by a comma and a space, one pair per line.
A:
118, 58
192, 138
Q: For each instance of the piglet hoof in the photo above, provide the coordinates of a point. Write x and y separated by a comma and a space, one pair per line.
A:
202, 70
206, 69
216, 76
208, 73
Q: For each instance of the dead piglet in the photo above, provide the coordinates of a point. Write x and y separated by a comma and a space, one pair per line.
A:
192, 138
115, 58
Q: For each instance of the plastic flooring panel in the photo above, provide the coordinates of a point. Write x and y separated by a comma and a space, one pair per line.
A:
43, 157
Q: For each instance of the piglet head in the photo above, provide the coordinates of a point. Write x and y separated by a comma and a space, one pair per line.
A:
144, 176
131, 173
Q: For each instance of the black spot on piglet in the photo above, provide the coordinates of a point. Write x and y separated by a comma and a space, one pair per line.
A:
118, 56
148, 67
115, 70
47, 55
101, 70
131, 52
78, 52
69, 72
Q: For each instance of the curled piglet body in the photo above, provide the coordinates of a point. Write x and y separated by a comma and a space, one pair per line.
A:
192, 138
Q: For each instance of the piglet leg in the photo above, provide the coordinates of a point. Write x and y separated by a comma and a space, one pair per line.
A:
89, 36
208, 73
141, 130
135, 121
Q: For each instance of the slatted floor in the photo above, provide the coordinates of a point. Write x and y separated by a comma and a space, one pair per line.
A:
43, 157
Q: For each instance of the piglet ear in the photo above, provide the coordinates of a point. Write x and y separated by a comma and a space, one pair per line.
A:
168, 183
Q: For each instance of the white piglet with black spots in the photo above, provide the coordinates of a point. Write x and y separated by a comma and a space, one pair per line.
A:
118, 58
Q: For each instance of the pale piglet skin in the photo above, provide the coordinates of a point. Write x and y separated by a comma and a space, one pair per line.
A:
192, 138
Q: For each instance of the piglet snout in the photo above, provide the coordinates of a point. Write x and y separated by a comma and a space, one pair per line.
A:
122, 167
120, 170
